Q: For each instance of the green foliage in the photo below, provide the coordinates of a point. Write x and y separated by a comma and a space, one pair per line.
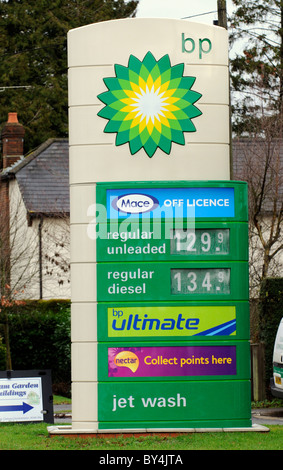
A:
274, 403
2, 355
270, 314
34, 436
33, 49
40, 339
256, 71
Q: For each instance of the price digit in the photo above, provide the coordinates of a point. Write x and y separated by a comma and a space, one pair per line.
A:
179, 283
177, 236
206, 241
192, 278
192, 242
220, 237
206, 281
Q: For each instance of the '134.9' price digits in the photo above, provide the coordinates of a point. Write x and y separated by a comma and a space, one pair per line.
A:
200, 281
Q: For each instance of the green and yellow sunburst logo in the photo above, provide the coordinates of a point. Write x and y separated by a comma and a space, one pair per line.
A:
149, 104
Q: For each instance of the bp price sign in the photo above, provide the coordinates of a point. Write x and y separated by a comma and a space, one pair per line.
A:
173, 311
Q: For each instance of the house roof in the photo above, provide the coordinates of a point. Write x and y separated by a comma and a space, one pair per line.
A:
260, 163
43, 178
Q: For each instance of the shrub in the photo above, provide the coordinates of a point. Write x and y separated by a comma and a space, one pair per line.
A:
40, 339
2, 355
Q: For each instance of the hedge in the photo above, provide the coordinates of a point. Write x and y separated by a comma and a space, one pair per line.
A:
40, 338
270, 314
2, 355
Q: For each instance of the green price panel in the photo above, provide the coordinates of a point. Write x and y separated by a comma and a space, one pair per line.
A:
139, 242
172, 304
197, 404
172, 281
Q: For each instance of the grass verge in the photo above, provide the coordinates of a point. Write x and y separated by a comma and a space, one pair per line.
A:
34, 436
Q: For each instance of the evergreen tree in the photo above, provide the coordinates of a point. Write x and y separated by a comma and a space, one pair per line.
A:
256, 72
33, 66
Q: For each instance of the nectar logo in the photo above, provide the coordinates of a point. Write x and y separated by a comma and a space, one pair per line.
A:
149, 104
135, 203
127, 359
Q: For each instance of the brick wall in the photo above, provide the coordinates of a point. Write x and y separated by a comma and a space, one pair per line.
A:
12, 140
12, 150
4, 233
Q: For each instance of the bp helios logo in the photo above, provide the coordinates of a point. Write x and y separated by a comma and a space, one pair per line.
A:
149, 104
135, 203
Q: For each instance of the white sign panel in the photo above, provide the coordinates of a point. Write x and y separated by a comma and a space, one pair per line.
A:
21, 399
148, 100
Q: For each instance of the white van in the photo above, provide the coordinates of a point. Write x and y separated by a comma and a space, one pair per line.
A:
276, 382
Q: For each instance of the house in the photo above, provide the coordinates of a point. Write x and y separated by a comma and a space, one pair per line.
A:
34, 215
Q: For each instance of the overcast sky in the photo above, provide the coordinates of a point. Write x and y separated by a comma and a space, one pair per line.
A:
180, 9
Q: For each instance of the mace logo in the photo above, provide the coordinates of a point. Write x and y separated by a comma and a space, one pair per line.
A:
135, 203
149, 104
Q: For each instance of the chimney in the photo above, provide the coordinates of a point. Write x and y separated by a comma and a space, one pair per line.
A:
12, 140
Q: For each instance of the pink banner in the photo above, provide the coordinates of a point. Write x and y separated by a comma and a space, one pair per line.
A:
172, 361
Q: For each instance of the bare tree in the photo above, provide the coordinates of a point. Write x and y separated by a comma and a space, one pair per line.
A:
259, 160
16, 265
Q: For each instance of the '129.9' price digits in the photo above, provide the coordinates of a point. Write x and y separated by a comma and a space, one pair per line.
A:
200, 241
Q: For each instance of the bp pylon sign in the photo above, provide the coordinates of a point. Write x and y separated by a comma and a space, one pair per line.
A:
159, 258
